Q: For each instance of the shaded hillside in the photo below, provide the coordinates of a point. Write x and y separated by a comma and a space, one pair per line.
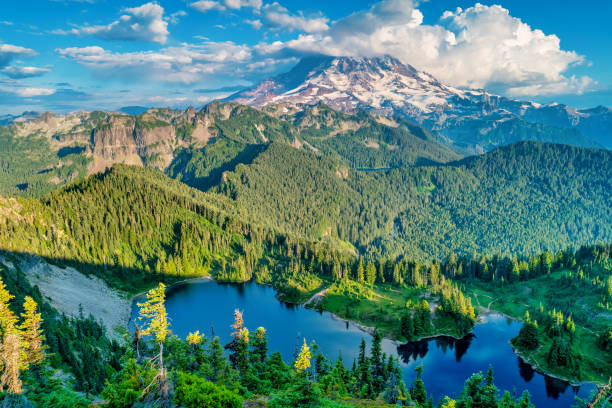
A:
133, 225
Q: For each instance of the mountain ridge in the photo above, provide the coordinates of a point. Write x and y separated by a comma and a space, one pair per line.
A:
42, 153
385, 85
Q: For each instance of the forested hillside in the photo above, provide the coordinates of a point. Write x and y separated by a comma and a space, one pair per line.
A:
196, 147
134, 227
522, 198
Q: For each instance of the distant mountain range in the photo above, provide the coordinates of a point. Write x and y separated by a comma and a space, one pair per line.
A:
362, 176
473, 120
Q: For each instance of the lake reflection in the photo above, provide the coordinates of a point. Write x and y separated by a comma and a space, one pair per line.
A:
447, 362
418, 349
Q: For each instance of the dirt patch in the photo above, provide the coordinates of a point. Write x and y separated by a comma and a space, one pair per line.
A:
372, 144
67, 289
317, 297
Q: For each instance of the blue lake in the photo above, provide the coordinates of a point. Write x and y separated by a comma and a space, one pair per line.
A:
209, 306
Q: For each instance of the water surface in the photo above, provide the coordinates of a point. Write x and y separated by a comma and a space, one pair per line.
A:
209, 306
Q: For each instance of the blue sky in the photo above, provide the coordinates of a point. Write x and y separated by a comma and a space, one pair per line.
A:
64, 55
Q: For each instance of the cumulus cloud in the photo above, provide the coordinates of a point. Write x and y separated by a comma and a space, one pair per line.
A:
143, 23
187, 64
481, 46
9, 52
16, 72
204, 6
276, 16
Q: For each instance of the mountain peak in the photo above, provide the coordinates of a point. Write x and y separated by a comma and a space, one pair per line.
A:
348, 83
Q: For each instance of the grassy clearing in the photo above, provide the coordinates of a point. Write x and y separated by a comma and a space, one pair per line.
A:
552, 292
382, 306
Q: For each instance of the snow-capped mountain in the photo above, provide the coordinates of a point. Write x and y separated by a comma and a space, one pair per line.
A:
475, 120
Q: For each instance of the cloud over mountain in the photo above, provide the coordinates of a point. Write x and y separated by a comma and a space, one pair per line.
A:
481, 46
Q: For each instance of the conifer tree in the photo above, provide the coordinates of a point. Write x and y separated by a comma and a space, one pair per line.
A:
370, 273
153, 313
377, 362
8, 320
12, 354
360, 272
302, 362
32, 333
260, 345
13, 360
239, 346
417, 392
217, 360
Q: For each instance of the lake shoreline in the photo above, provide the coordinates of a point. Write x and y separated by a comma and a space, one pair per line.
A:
133, 298
370, 330
534, 364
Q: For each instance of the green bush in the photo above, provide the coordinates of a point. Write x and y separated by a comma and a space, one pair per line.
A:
195, 392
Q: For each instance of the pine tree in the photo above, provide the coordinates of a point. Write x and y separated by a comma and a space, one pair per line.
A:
32, 333
360, 272
12, 353
216, 358
302, 362
377, 362
13, 359
417, 392
239, 346
370, 273
397, 278
260, 345
8, 320
153, 313
381, 271
407, 326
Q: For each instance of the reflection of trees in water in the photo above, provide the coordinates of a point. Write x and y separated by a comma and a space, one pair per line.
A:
525, 370
462, 345
418, 349
413, 350
289, 306
555, 386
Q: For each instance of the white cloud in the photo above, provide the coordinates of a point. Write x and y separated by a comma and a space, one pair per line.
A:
29, 92
176, 16
9, 52
276, 16
16, 72
143, 23
187, 64
204, 6
256, 24
481, 46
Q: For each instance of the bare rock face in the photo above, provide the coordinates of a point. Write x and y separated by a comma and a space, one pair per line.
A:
114, 140
149, 139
